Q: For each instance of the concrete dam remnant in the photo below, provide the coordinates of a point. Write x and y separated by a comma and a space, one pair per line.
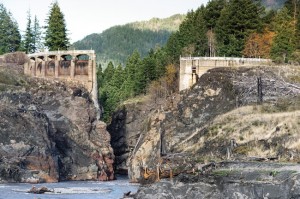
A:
77, 66
191, 68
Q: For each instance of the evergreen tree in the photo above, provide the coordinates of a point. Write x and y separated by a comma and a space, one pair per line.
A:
238, 19
146, 73
99, 75
108, 73
161, 59
212, 12
14, 36
131, 83
293, 7
106, 91
10, 37
56, 33
118, 77
284, 41
28, 37
297, 32
173, 48
191, 37
37, 36
199, 32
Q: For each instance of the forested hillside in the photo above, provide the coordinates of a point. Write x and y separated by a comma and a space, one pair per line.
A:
234, 28
170, 24
117, 43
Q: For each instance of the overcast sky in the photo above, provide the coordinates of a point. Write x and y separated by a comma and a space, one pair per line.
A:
84, 17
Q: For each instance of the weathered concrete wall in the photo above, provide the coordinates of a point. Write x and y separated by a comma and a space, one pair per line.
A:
74, 66
191, 68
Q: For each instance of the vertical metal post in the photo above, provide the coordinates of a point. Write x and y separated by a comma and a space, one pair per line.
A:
259, 91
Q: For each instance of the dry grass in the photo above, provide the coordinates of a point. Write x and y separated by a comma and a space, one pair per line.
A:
137, 99
250, 128
10, 79
256, 125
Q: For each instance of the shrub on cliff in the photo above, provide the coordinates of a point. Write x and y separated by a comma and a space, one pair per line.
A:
17, 57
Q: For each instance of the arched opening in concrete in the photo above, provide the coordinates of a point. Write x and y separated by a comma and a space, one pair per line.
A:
31, 63
65, 65
81, 64
39, 62
50, 66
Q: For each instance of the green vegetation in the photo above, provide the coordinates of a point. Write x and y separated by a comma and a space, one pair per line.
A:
214, 130
32, 41
56, 32
243, 150
10, 37
118, 84
230, 28
284, 41
143, 57
9, 80
116, 44
222, 173
28, 40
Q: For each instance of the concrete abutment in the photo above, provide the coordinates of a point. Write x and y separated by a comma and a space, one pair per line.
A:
78, 66
191, 68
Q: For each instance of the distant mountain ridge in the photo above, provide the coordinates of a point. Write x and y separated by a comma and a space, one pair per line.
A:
273, 4
170, 24
117, 43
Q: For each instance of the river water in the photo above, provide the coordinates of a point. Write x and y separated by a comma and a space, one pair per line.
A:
71, 190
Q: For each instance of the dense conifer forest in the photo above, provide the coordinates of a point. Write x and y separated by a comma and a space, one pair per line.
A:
234, 28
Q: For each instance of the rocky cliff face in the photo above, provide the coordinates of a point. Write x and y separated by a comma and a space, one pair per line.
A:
126, 128
220, 118
49, 132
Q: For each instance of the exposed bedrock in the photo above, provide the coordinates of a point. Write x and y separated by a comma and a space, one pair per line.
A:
49, 132
219, 118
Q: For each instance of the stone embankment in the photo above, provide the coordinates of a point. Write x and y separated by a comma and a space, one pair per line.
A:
49, 132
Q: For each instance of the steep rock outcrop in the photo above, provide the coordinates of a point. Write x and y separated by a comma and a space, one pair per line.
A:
49, 132
209, 122
125, 129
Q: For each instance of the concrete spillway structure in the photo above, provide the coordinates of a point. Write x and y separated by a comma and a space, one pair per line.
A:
191, 68
77, 66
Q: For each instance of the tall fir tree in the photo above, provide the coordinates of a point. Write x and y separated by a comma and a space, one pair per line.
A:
238, 19
212, 12
37, 36
56, 37
10, 37
131, 83
284, 42
28, 37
